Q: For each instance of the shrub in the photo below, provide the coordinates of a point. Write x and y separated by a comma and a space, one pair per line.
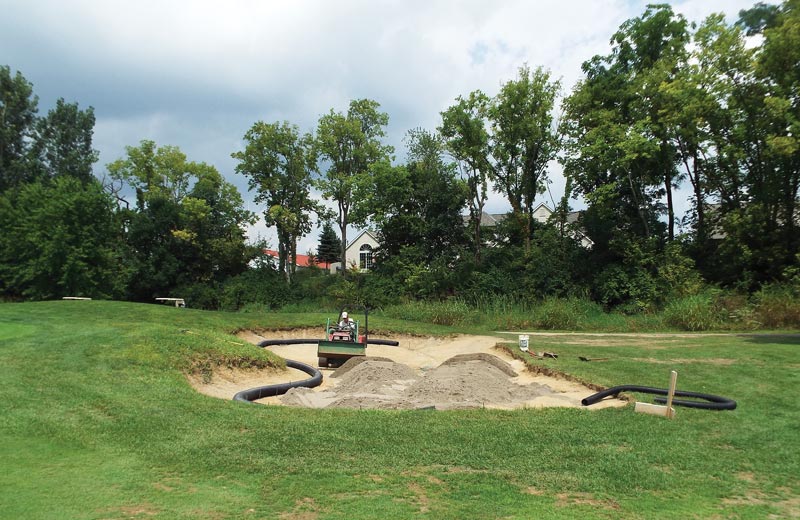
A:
261, 286
695, 313
777, 306
563, 313
450, 312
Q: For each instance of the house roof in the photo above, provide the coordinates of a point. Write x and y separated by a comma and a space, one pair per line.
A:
301, 260
367, 232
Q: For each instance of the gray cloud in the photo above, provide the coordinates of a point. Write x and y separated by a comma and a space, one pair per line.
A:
197, 74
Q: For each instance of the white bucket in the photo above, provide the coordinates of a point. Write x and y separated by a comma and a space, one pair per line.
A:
523, 342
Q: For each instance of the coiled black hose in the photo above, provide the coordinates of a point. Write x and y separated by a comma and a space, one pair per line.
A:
715, 402
261, 392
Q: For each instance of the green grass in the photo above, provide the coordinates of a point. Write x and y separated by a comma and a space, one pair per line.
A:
99, 422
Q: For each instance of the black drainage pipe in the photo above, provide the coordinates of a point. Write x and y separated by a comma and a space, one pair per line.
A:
715, 402
261, 392
275, 342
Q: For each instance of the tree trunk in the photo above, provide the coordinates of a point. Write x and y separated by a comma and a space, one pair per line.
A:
294, 256
670, 208
343, 228
282, 254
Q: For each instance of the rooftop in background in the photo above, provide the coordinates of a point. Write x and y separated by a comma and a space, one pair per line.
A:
302, 260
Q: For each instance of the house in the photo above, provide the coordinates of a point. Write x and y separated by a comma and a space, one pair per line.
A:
358, 252
302, 261
541, 213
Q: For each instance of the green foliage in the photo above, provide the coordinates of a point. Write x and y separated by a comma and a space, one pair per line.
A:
59, 240
186, 228
449, 312
64, 142
278, 163
351, 144
329, 249
18, 107
264, 287
777, 306
697, 312
563, 314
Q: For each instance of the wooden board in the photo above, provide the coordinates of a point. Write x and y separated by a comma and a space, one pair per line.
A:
654, 409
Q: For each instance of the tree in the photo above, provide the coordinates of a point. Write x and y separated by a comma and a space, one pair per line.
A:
467, 140
155, 172
18, 108
64, 142
525, 140
59, 239
416, 209
350, 144
187, 225
330, 246
278, 163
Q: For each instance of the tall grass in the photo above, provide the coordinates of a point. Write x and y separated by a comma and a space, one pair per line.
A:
776, 307
505, 313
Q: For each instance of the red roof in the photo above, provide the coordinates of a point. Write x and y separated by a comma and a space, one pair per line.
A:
302, 260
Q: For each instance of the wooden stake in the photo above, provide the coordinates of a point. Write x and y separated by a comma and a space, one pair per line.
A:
657, 409
673, 381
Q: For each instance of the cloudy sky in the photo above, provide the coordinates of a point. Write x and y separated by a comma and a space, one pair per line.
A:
197, 73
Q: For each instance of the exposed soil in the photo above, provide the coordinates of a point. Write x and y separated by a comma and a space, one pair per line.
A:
440, 372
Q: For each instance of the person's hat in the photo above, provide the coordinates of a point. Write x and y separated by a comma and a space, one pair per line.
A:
344, 314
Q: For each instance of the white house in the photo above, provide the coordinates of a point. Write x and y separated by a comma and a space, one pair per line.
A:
358, 252
541, 213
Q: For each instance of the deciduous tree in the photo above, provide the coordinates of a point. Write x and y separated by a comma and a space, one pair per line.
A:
350, 144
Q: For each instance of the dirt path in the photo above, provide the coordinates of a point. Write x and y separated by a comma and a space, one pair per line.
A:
423, 356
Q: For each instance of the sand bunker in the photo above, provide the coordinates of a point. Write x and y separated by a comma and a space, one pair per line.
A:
443, 373
455, 384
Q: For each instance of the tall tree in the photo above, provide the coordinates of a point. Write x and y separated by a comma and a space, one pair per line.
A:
64, 141
416, 209
525, 140
620, 150
18, 108
464, 129
350, 144
278, 162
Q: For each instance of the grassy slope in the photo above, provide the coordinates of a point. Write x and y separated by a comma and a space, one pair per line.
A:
98, 422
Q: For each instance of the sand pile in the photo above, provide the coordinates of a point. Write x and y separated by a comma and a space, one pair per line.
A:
460, 382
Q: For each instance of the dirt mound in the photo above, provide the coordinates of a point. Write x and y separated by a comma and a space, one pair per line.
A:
467, 381
471, 384
376, 377
351, 363
482, 356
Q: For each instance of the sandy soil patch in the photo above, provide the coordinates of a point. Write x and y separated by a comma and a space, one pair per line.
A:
415, 376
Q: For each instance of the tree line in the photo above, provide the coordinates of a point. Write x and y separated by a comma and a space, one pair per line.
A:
711, 106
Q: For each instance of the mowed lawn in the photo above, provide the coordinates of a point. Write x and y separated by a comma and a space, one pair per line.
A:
98, 422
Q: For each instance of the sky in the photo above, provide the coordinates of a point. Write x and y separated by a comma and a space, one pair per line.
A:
198, 73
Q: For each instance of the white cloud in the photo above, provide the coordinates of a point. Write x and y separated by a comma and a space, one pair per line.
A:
198, 73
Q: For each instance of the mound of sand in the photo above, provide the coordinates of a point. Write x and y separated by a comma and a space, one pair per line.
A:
351, 363
470, 381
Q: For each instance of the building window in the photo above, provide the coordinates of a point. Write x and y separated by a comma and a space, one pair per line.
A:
365, 257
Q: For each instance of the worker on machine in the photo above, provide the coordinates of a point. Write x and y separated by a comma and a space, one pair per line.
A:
346, 322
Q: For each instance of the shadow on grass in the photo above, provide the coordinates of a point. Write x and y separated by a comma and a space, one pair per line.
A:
775, 339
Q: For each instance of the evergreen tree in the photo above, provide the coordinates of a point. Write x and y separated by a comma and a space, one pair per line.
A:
330, 246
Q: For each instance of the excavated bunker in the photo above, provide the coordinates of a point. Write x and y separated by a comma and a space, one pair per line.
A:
449, 373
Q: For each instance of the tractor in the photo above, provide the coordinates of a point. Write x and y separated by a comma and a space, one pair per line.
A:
342, 340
